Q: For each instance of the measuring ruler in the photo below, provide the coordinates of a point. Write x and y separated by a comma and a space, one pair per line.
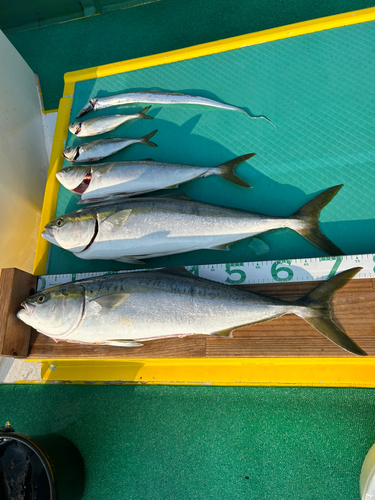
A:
249, 273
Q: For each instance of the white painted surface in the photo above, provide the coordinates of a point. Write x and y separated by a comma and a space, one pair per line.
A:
19, 370
23, 159
49, 125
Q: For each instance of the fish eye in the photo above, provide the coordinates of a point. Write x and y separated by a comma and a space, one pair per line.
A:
59, 222
41, 299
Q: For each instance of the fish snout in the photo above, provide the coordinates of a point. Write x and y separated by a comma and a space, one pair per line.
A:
27, 308
86, 109
49, 235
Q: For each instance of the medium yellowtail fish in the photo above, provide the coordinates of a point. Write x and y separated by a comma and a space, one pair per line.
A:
131, 178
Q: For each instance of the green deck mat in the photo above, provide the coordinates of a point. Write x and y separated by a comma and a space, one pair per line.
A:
318, 89
148, 29
199, 443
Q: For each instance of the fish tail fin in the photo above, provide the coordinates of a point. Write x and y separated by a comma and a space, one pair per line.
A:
142, 114
146, 139
316, 311
309, 215
227, 170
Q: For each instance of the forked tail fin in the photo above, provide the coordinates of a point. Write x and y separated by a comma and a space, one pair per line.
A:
227, 170
309, 215
146, 139
316, 311
142, 114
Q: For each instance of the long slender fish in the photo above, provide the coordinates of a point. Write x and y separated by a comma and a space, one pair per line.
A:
103, 124
96, 150
126, 309
141, 228
131, 178
156, 97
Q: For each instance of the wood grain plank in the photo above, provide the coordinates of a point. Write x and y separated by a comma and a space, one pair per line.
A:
15, 286
289, 336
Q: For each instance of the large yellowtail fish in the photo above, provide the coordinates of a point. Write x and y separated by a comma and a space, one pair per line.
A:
130, 308
131, 230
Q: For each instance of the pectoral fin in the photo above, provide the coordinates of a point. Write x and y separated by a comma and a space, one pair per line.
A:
123, 343
119, 219
129, 260
224, 246
110, 301
224, 333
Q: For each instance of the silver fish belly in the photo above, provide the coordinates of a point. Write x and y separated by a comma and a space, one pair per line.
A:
137, 229
155, 97
96, 150
129, 308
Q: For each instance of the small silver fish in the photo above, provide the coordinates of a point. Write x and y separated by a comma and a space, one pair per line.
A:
131, 178
127, 309
141, 228
96, 150
156, 97
103, 124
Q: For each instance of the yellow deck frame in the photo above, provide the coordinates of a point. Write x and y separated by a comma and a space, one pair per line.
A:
327, 372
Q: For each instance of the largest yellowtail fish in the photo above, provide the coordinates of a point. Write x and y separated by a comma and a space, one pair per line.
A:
131, 230
130, 308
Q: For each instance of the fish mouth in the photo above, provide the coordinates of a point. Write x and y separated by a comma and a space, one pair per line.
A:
25, 314
75, 128
48, 234
73, 157
27, 308
86, 109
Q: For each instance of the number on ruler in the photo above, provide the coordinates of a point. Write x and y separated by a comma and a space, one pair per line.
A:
275, 270
230, 271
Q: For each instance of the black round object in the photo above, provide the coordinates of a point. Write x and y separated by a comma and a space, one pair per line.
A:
25, 473
47, 467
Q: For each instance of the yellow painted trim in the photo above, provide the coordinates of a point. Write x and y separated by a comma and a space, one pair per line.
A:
52, 185
291, 30
46, 112
299, 372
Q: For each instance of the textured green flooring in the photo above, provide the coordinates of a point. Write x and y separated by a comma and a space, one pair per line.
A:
156, 27
205, 442
186, 442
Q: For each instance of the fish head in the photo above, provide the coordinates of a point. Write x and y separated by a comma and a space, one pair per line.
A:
56, 311
87, 107
75, 127
71, 154
75, 179
74, 232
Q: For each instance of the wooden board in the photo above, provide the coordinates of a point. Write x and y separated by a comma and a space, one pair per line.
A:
15, 286
289, 336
